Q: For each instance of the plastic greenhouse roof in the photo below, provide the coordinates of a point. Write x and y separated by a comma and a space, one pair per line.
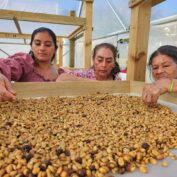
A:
109, 16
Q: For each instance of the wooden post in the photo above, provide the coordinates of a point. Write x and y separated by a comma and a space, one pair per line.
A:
72, 13
71, 52
88, 33
60, 51
139, 35
72, 45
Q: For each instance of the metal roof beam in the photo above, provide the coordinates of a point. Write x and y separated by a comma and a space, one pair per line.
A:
80, 8
117, 16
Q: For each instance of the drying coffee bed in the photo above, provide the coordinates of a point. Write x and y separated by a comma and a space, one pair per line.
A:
99, 135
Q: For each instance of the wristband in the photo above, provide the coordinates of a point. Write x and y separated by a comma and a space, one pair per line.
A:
171, 87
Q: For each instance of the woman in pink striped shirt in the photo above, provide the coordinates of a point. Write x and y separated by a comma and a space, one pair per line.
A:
104, 67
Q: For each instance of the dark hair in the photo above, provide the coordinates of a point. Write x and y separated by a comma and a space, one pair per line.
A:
168, 50
50, 32
113, 49
116, 68
105, 45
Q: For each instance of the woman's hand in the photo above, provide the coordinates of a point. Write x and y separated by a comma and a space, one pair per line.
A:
151, 92
6, 91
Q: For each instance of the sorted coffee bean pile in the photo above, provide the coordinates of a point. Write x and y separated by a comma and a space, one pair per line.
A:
96, 135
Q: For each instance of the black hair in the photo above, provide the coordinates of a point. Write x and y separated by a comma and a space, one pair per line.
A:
116, 68
50, 32
168, 50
